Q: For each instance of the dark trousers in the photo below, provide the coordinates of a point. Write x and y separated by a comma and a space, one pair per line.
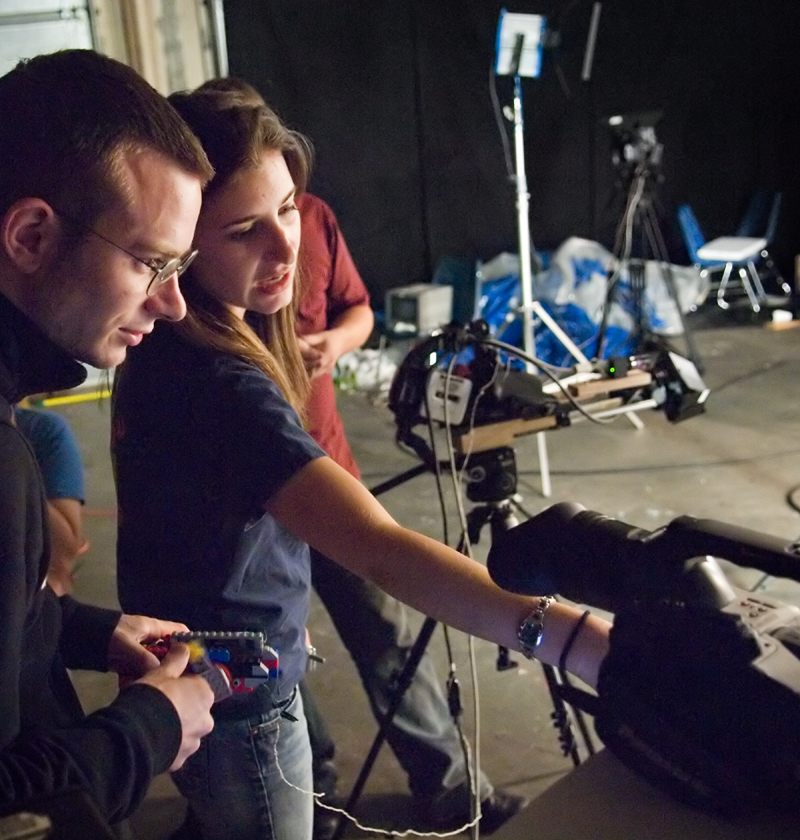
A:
374, 628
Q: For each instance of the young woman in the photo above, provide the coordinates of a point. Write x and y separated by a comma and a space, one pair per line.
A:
221, 490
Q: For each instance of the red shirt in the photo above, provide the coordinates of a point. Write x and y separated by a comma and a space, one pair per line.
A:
329, 285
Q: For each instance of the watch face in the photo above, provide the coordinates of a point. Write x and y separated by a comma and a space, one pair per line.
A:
530, 634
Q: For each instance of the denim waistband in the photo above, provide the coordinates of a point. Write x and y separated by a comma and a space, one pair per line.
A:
250, 704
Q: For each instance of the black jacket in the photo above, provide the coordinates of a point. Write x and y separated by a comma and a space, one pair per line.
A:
46, 742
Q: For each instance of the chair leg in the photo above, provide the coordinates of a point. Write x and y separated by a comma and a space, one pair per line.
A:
758, 285
705, 276
775, 272
723, 285
748, 286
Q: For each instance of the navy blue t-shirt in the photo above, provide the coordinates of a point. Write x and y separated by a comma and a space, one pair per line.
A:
201, 440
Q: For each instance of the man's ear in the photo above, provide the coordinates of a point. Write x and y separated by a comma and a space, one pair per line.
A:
30, 233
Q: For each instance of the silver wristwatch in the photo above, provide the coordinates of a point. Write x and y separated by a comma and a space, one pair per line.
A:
531, 630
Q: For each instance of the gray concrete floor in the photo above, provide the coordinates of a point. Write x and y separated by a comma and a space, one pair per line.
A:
738, 463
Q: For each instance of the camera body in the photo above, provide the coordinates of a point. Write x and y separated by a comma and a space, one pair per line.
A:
477, 389
635, 146
706, 704
700, 689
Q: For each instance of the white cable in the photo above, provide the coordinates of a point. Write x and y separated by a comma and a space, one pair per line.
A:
409, 832
473, 766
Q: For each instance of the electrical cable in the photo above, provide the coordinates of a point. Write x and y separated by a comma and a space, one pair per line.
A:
473, 414
437, 473
547, 370
498, 116
454, 472
472, 764
453, 691
472, 771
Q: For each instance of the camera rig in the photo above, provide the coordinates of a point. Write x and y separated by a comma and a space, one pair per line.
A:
463, 379
700, 690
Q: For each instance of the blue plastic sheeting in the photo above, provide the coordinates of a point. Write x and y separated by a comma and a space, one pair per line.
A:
580, 283
499, 301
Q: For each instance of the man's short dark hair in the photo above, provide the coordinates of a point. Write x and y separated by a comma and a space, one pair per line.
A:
68, 116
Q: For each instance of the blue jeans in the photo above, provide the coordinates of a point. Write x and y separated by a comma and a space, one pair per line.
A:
235, 788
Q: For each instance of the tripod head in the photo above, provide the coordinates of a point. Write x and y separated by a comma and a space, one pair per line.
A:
491, 475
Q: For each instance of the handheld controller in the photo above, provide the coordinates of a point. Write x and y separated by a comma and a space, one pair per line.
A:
232, 662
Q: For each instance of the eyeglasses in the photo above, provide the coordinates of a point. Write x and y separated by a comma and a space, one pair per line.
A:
162, 269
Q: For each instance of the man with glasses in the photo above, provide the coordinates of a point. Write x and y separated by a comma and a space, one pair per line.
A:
100, 189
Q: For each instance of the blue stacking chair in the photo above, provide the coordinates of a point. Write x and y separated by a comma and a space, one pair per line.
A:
761, 220
725, 254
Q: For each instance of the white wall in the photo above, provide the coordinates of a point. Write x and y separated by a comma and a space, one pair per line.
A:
170, 42
31, 27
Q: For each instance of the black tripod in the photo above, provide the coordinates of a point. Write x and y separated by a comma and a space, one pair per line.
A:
639, 231
492, 482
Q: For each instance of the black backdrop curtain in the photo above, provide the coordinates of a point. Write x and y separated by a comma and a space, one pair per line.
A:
395, 95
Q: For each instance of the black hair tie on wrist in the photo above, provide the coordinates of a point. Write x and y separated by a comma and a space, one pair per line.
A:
562, 660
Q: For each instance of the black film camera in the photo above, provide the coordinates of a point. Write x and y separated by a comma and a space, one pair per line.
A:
471, 394
700, 691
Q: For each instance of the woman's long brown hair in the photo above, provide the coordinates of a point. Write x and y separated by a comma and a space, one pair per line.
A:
235, 127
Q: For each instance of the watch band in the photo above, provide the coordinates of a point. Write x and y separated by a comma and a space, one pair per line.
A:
531, 630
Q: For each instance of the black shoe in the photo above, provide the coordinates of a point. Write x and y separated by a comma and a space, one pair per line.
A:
496, 810
326, 821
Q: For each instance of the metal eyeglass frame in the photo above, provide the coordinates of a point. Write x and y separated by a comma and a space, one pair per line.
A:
162, 271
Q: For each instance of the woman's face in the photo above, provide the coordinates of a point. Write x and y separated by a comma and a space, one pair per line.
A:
248, 236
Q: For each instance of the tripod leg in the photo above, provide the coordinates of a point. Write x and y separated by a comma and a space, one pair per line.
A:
502, 519
688, 336
611, 280
660, 251
402, 683
407, 669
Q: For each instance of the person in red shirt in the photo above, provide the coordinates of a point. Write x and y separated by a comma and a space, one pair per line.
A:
334, 318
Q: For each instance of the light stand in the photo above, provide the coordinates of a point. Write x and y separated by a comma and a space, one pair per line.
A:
519, 53
519, 47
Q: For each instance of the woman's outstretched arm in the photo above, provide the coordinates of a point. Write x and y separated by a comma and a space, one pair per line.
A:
333, 512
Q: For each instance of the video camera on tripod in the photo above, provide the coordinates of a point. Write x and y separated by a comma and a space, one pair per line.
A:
700, 692
635, 144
